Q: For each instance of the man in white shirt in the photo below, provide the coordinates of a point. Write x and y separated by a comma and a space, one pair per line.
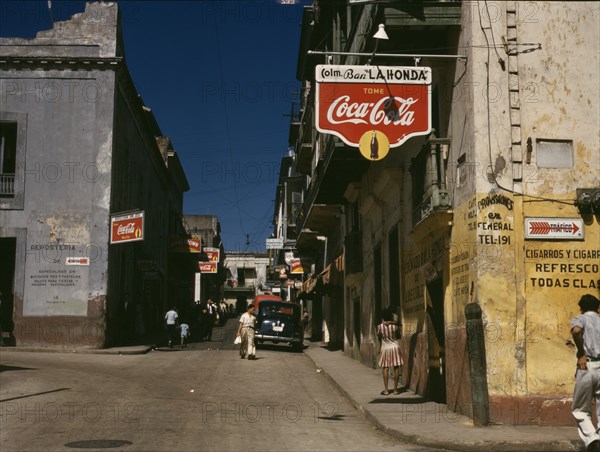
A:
171, 318
585, 329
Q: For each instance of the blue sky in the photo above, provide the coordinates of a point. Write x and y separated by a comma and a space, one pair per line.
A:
220, 79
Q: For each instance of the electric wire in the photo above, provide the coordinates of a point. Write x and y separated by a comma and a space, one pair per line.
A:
489, 122
226, 116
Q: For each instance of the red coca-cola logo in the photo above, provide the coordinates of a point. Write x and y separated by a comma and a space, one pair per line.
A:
128, 228
388, 110
349, 109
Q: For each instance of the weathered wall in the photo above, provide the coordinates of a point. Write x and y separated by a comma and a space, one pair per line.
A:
65, 109
528, 289
68, 119
562, 82
381, 208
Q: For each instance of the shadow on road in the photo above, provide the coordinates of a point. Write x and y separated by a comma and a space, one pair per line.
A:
36, 394
4, 368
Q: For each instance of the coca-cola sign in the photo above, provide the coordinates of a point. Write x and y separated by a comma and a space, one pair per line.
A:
127, 227
373, 107
207, 267
212, 254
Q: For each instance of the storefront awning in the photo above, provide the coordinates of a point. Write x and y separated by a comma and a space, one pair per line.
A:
309, 284
334, 272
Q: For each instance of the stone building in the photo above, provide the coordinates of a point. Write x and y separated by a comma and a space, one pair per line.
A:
246, 278
79, 146
497, 206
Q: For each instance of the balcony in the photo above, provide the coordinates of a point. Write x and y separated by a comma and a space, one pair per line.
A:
7, 185
423, 14
429, 189
421, 25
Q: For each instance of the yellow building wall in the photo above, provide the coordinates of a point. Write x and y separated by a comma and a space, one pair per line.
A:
557, 274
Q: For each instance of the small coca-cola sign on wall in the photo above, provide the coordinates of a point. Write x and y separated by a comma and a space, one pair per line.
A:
127, 227
373, 107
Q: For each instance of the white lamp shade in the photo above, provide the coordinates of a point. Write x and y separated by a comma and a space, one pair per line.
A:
381, 34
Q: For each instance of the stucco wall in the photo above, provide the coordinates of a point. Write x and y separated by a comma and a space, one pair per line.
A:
68, 121
66, 114
528, 289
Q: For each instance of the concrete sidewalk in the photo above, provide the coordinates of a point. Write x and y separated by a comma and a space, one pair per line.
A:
411, 418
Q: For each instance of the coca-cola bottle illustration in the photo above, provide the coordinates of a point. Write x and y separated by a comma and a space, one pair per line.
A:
374, 146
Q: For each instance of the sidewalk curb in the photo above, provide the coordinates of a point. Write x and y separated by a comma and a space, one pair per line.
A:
462, 446
133, 350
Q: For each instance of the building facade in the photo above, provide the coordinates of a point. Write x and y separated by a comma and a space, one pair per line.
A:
208, 279
498, 206
246, 278
79, 146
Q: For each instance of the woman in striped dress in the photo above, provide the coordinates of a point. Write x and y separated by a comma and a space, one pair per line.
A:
388, 333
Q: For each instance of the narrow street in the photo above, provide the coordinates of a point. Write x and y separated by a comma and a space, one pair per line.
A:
199, 398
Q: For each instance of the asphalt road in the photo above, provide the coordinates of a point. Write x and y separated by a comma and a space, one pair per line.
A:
203, 397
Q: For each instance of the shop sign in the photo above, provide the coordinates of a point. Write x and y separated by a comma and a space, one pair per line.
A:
78, 261
212, 254
207, 267
282, 272
554, 228
127, 227
373, 107
186, 244
274, 243
194, 243
296, 266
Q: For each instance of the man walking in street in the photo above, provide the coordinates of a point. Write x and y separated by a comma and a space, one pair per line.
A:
585, 329
211, 315
171, 319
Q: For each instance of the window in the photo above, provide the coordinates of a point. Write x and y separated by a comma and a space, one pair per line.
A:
8, 156
13, 133
353, 216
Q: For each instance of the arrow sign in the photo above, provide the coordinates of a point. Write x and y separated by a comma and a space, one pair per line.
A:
554, 228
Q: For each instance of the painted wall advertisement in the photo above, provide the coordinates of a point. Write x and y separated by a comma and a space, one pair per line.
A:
553, 248
421, 263
57, 275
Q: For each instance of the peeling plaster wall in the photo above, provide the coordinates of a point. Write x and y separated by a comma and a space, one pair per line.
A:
527, 289
563, 81
68, 116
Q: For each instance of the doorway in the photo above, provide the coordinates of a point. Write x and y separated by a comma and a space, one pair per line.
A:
8, 247
436, 341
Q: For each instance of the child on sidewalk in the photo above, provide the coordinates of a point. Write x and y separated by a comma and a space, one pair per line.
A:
185, 331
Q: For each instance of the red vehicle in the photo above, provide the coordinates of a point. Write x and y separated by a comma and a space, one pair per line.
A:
261, 297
